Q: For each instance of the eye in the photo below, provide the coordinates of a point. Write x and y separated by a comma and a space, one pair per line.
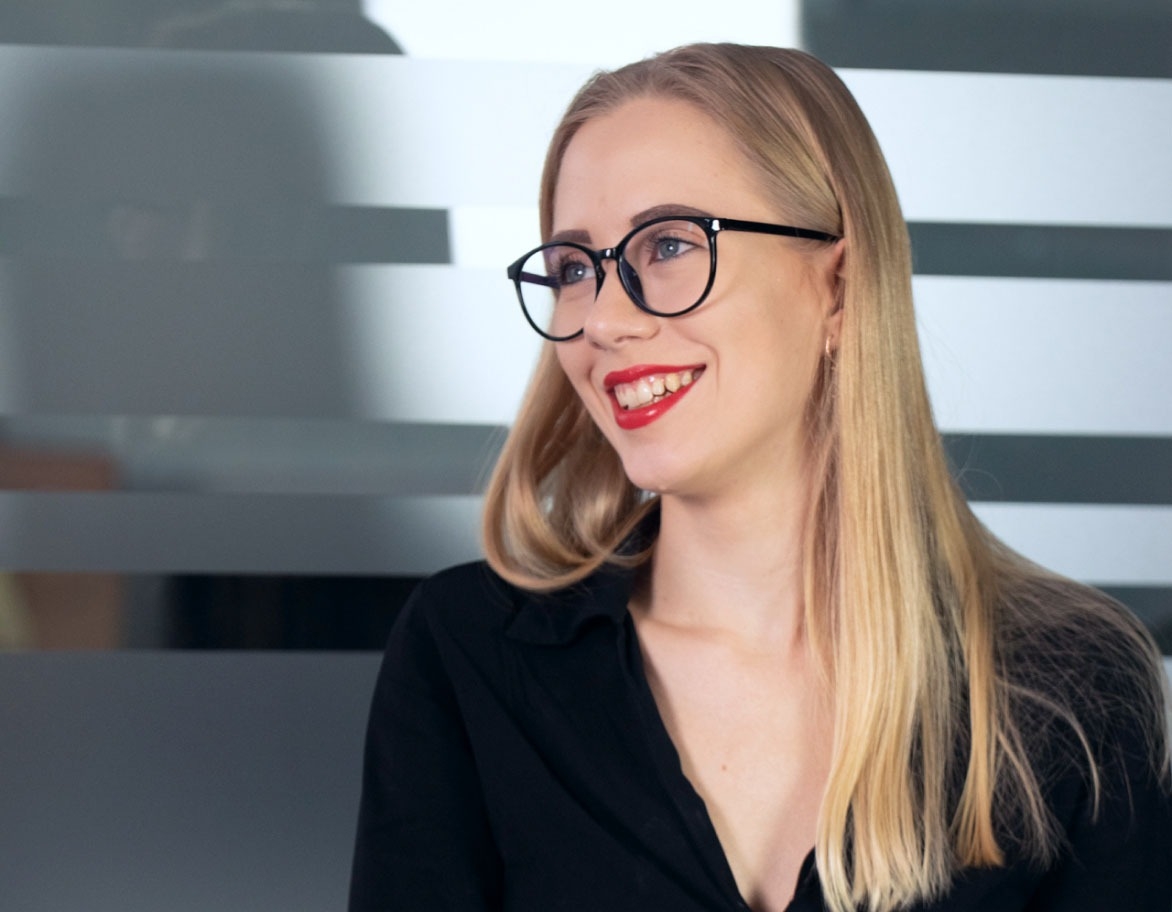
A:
572, 272
668, 247
664, 242
567, 266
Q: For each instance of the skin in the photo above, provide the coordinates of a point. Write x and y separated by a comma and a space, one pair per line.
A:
719, 612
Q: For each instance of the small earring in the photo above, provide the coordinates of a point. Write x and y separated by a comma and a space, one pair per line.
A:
828, 348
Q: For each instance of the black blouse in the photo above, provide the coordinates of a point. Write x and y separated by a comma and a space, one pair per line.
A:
516, 760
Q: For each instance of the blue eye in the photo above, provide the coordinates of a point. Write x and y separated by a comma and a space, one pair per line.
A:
567, 266
668, 247
572, 272
664, 242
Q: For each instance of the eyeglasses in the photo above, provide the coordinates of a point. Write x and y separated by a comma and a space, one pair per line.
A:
667, 266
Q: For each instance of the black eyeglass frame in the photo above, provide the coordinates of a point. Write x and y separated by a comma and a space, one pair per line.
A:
627, 275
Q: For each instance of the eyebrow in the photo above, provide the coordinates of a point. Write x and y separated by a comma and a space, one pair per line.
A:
667, 209
578, 236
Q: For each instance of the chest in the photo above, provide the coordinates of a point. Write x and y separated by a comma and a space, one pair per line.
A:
753, 738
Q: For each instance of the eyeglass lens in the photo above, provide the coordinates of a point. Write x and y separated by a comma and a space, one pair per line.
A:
665, 266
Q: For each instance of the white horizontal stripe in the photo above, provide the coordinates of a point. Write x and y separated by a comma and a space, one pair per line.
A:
1001, 355
202, 533
395, 131
405, 132
491, 237
611, 34
439, 344
962, 147
1047, 356
1008, 148
1106, 546
419, 343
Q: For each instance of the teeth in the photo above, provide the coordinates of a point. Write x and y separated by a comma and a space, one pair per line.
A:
653, 388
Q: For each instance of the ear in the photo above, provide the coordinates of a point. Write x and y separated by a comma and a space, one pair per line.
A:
832, 279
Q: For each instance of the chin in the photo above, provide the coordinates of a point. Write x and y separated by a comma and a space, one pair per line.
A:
654, 478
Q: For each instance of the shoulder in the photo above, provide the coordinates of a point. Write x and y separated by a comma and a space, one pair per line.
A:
1086, 685
468, 643
1075, 644
471, 608
450, 626
468, 602
471, 587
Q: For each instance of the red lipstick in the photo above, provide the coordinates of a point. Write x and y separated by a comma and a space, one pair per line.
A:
641, 416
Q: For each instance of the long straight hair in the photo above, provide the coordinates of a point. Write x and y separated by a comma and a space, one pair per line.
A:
915, 611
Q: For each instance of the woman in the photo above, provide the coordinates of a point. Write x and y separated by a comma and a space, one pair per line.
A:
740, 642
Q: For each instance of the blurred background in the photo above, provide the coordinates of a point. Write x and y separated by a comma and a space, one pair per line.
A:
257, 355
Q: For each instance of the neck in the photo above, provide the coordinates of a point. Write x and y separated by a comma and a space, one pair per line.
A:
732, 565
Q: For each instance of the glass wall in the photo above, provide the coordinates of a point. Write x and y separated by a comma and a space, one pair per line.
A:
258, 353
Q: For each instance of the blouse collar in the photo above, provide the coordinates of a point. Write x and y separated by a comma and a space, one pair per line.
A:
557, 618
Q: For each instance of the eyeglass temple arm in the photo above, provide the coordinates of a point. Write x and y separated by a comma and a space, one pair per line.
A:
766, 228
534, 279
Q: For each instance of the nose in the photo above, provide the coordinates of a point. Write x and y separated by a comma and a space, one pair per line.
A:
614, 318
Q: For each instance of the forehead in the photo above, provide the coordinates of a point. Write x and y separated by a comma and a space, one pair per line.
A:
650, 152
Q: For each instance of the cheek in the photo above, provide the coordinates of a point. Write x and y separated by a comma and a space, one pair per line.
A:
575, 365
567, 354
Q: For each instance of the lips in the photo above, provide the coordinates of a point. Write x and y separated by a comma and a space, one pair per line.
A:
640, 395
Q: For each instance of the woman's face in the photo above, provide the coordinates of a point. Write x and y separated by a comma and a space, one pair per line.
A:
752, 349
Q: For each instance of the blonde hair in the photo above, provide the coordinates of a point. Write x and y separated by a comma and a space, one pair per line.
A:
924, 622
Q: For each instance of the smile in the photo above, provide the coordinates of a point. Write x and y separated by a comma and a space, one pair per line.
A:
640, 395
651, 388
